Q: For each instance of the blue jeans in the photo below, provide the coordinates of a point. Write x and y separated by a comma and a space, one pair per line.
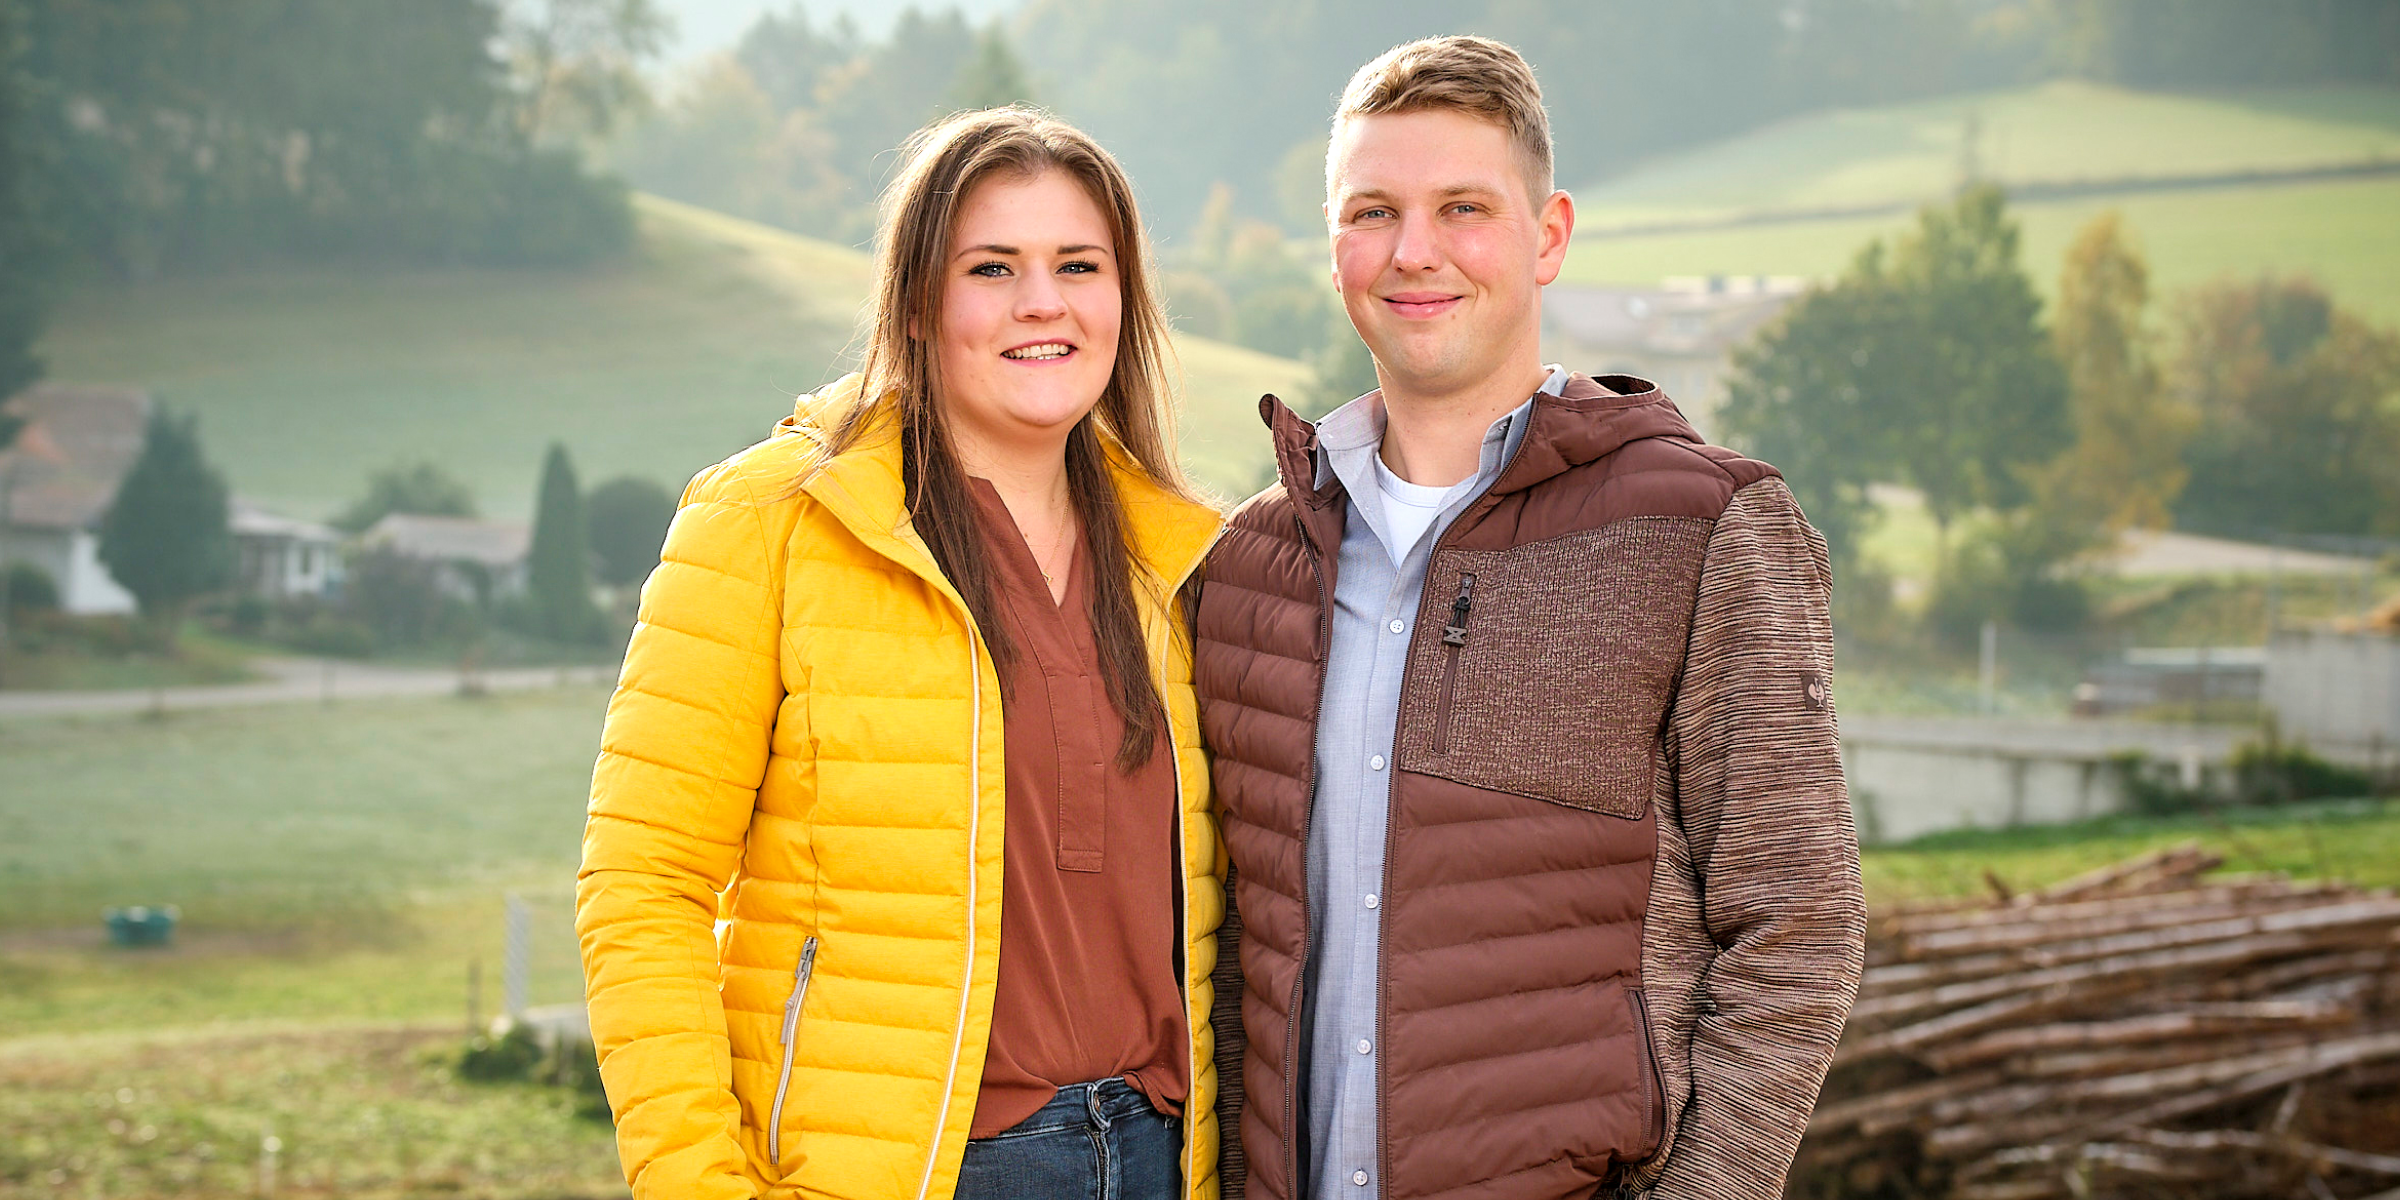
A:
1093, 1141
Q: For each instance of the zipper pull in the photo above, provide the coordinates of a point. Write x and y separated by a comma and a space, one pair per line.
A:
1455, 633
800, 974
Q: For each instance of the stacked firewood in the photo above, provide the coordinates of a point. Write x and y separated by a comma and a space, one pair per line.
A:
2142, 1031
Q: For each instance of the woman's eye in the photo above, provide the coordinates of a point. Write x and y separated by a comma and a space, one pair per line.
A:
989, 270
1079, 268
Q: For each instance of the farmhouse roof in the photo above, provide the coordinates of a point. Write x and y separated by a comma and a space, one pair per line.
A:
250, 521
78, 442
1700, 316
452, 539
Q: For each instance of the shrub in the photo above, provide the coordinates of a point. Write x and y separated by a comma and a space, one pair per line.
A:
30, 589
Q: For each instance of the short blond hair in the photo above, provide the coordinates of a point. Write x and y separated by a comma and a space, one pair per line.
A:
1459, 73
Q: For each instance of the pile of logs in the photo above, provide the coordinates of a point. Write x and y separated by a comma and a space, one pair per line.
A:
2141, 1031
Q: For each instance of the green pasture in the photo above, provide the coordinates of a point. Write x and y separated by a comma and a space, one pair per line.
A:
354, 1112
2357, 840
2052, 133
2342, 232
330, 863
307, 379
349, 863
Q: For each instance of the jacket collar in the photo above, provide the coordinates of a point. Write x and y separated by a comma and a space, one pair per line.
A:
1588, 420
863, 489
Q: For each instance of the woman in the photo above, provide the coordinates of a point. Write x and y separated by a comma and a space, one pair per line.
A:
910, 708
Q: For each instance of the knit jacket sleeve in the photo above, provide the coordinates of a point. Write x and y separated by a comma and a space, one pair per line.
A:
1759, 792
682, 755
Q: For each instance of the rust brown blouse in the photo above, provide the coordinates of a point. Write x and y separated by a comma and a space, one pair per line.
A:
1087, 986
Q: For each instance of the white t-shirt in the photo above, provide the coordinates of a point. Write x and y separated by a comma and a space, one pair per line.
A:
1409, 508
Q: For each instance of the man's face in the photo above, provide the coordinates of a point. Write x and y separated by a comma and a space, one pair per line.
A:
1439, 250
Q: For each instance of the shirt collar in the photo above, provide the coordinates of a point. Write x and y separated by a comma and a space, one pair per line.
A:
1349, 437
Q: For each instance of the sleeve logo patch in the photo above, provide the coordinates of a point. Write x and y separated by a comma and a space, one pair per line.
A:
1815, 692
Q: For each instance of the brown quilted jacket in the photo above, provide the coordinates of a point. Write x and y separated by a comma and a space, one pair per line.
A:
1622, 920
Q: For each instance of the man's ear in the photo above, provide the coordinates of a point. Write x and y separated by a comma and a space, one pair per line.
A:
1558, 228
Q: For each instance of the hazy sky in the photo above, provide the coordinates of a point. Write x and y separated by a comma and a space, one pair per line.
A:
706, 26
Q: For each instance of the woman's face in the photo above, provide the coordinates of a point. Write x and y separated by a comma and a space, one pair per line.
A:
1031, 305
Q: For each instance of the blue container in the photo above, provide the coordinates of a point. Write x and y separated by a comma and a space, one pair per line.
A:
142, 925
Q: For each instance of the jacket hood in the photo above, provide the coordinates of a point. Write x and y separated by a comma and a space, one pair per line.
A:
864, 488
1590, 419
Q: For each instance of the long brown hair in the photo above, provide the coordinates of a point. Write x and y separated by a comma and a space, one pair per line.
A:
902, 382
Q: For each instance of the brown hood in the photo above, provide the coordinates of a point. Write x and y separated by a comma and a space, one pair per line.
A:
1588, 420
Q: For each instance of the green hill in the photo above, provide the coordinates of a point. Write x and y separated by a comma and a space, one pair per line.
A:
2195, 176
305, 380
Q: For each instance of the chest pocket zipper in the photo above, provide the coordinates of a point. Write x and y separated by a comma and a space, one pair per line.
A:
1454, 640
791, 1030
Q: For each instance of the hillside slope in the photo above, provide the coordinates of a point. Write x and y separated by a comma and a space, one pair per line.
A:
306, 380
2072, 150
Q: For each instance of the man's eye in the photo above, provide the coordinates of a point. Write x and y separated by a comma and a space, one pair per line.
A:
1466, 208
1372, 214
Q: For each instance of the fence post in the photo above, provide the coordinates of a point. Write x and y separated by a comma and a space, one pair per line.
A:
513, 967
1988, 672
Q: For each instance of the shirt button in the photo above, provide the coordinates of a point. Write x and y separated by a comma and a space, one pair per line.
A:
1399, 626
1371, 900
1376, 762
1365, 1046
1359, 1178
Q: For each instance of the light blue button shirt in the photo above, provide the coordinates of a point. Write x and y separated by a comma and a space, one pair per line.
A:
1374, 611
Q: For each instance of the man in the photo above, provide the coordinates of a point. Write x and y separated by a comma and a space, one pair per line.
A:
1519, 699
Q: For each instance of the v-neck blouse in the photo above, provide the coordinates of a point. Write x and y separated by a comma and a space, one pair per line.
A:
1087, 987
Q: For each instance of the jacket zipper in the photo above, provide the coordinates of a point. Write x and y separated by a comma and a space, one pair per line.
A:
1454, 640
791, 1030
1308, 820
966, 983
1654, 1107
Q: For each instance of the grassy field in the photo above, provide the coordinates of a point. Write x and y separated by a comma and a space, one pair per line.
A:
2054, 133
349, 863
341, 863
364, 1113
305, 380
340, 869
2341, 231
2358, 841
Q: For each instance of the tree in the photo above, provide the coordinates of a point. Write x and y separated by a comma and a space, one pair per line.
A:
25, 255
559, 567
993, 77
578, 64
2126, 465
422, 488
628, 518
2299, 413
1925, 364
166, 537
188, 134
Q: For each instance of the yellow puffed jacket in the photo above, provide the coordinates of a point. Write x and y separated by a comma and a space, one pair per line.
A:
807, 740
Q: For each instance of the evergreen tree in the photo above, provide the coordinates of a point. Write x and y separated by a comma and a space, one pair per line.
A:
559, 569
628, 519
993, 77
24, 253
166, 537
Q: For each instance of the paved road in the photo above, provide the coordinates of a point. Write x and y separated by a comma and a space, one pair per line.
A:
300, 681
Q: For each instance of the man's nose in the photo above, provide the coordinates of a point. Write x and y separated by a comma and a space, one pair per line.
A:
1418, 247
